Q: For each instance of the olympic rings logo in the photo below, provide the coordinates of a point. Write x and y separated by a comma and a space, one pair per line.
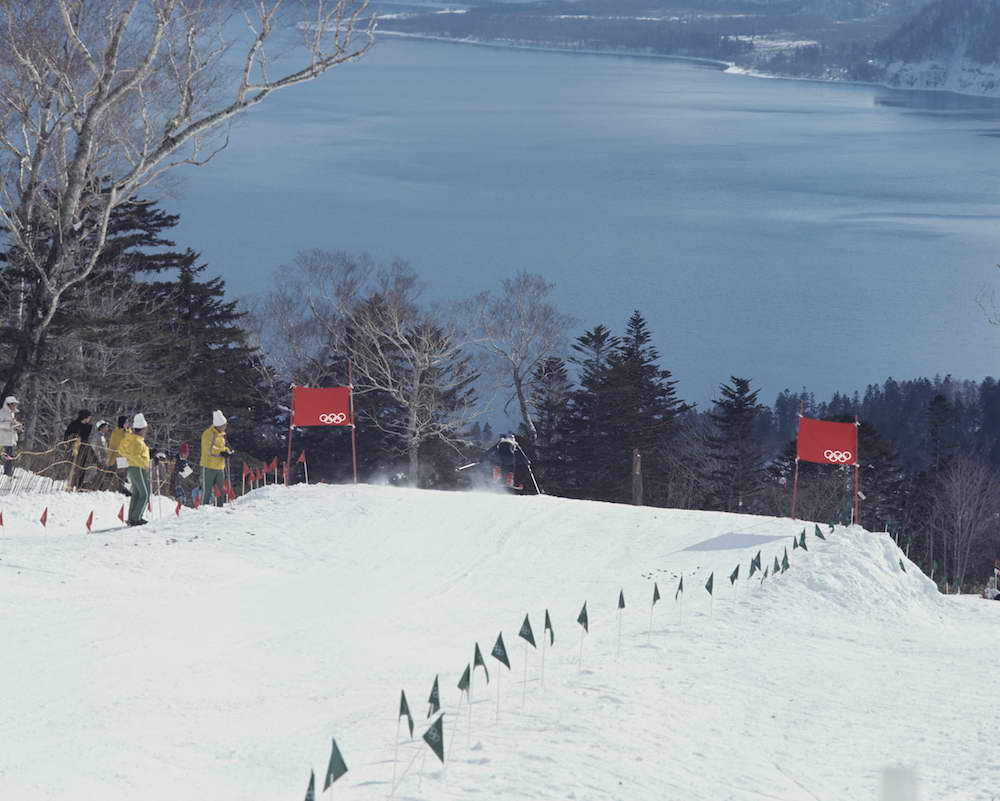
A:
838, 456
333, 419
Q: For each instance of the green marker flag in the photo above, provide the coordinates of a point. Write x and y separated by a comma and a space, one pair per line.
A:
621, 599
795, 543
463, 683
478, 661
764, 576
311, 790
901, 566
709, 583
784, 561
548, 628
404, 709
777, 565
818, 532
435, 698
802, 541
656, 593
831, 527
755, 564
582, 618
434, 737
526, 633
734, 575
499, 651
335, 769
680, 588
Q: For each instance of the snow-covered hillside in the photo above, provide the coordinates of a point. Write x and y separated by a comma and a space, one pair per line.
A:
215, 655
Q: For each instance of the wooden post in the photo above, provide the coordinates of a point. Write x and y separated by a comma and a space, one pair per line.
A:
354, 428
291, 417
636, 477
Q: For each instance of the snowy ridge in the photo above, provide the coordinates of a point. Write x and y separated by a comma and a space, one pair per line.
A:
214, 655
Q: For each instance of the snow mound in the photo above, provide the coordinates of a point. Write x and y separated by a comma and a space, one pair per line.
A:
214, 654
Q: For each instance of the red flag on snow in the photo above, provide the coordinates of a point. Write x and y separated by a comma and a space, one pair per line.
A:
177, 511
197, 501
273, 466
121, 513
302, 458
247, 471
1, 519
45, 516
827, 443
215, 491
90, 521
230, 493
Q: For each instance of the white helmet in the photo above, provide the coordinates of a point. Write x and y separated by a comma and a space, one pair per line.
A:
138, 422
9, 400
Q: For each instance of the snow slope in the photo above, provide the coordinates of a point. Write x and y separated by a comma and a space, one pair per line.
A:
214, 655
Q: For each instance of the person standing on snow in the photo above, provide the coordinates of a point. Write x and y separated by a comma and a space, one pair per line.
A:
9, 429
77, 436
114, 442
214, 451
135, 451
508, 462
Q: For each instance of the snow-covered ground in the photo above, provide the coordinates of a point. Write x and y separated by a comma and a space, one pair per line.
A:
213, 656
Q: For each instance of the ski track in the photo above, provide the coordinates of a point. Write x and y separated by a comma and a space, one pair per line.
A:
213, 656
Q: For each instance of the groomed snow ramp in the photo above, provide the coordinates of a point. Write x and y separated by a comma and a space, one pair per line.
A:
214, 655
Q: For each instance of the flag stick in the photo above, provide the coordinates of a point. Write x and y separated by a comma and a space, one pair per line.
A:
711, 606
649, 634
680, 611
407, 770
619, 653
454, 731
469, 697
499, 673
524, 695
543, 658
581, 649
423, 760
305, 466
395, 757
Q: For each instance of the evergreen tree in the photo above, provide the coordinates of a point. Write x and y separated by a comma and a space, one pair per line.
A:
737, 473
551, 390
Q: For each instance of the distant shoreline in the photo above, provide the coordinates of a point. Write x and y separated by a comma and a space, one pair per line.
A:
728, 67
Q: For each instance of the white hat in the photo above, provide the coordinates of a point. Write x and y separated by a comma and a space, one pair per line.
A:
138, 422
9, 399
100, 423
218, 418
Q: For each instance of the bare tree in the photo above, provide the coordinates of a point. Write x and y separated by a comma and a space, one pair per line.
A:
964, 513
98, 98
333, 305
518, 329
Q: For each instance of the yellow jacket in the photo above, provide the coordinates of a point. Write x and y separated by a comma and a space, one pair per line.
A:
114, 442
213, 443
134, 448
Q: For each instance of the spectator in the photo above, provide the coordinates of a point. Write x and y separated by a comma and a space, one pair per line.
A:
10, 427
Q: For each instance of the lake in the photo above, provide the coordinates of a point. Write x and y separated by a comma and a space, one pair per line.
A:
799, 233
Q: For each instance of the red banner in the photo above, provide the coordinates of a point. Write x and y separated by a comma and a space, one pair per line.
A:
827, 443
316, 406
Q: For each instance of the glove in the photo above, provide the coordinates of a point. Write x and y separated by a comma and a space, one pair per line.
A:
226, 452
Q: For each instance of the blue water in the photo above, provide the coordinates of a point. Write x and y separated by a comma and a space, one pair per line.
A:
802, 234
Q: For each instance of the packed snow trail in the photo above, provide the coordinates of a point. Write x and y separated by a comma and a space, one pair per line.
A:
214, 655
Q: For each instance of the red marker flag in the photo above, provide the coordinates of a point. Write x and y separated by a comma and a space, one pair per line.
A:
45, 516
121, 513
177, 511
1, 519
827, 443
302, 458
273, 466
90, 521
215, 491
246, 471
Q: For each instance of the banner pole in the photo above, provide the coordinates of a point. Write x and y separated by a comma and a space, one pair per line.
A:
524, 693
856, 505
354, 427
291, 418
395, 759
795, 487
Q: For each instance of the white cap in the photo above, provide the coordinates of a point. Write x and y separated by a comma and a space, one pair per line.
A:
9, 399
138, 422
101, 423
218, 418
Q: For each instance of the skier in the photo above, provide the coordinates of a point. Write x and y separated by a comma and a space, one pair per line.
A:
213, 459
509, 464
9, 429
181, 471
135, 451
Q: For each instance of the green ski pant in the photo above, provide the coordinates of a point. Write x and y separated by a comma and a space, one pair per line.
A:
138, 478
209, 479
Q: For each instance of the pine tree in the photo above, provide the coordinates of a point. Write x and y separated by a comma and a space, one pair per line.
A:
737, 475
550, 405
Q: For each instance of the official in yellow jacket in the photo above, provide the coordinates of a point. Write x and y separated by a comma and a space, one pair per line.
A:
134, 449
214, 451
